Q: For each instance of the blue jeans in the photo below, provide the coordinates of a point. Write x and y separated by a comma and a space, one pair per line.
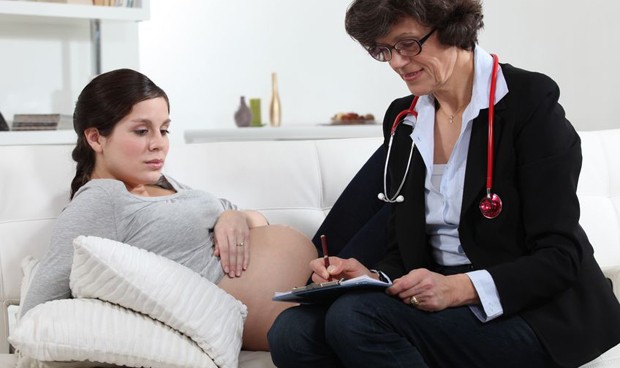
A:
372, 329
356, 226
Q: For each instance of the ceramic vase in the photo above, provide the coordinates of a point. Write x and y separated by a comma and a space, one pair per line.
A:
256, 112
243, 115
275, 110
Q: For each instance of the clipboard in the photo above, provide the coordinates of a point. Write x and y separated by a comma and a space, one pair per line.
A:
327, 291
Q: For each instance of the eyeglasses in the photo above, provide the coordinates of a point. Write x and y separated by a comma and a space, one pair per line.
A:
405, 47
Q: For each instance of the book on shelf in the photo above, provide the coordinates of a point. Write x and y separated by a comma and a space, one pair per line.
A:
80, 2
3, 125
23, 122
118, 3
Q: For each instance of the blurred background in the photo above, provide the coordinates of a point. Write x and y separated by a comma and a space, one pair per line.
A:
208, 53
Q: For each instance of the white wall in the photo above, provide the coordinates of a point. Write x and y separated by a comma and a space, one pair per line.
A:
206, 53
574, 42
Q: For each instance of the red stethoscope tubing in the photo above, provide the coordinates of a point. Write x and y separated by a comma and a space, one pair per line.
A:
490, 143
491, 204
402, 114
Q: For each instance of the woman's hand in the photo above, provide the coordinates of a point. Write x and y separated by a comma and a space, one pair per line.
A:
339, 268
232, 242
431, 291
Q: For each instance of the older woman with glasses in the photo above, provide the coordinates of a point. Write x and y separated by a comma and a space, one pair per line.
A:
488, 263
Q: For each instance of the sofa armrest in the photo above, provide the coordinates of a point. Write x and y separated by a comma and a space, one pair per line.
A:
613, 273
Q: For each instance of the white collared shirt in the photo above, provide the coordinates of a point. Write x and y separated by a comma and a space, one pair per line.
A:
444, 183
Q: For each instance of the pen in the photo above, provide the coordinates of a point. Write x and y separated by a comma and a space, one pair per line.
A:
325, 253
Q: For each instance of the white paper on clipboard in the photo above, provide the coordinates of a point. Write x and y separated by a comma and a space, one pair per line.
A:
316, 293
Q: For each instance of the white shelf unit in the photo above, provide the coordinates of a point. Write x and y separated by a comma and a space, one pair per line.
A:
18, 138
283, 133
41, 13
35, 11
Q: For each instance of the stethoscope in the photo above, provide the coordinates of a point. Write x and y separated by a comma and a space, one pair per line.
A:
490, 205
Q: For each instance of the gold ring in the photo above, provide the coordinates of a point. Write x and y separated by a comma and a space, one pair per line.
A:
240, 244
414, 301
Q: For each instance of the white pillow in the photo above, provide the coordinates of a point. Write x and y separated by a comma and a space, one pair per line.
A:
29, 266
163, 289
70, 330
28, 362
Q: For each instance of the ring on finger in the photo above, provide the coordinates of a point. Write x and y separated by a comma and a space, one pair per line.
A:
240, 244
414, 301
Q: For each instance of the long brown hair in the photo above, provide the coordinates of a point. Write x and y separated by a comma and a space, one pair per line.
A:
105, 101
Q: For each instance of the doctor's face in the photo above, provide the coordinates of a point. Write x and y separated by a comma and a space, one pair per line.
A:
428, 71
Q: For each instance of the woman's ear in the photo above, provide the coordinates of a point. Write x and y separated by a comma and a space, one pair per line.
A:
93, 138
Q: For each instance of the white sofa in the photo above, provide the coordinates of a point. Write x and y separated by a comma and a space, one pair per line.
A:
291, 182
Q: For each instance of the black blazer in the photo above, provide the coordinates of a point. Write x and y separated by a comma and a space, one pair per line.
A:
535, 250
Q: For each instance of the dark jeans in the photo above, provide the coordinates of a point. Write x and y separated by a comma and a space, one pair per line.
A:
356, 224
372, 329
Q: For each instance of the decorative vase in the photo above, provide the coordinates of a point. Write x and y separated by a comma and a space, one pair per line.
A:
243, 115
256, 112
275, 110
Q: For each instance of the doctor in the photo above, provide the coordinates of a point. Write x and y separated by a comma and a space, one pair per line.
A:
489, 264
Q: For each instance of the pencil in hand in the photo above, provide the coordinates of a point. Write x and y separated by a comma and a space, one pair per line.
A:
325, 253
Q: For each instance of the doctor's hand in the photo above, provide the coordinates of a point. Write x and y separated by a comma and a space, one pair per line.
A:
339, 268
232, 242
432, 292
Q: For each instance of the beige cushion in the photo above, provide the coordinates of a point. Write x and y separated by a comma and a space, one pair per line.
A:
162, 289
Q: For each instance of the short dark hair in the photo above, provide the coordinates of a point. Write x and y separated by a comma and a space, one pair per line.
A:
456, 22
105, 101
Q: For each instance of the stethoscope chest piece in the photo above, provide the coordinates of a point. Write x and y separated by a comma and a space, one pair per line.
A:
490, 206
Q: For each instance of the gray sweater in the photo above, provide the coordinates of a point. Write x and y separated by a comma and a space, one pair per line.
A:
177, 226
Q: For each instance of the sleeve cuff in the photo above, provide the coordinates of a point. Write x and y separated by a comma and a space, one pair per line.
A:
490, 306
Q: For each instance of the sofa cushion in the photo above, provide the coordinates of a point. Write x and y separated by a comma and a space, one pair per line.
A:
162, 289
29, 267
90, 330
609, 359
